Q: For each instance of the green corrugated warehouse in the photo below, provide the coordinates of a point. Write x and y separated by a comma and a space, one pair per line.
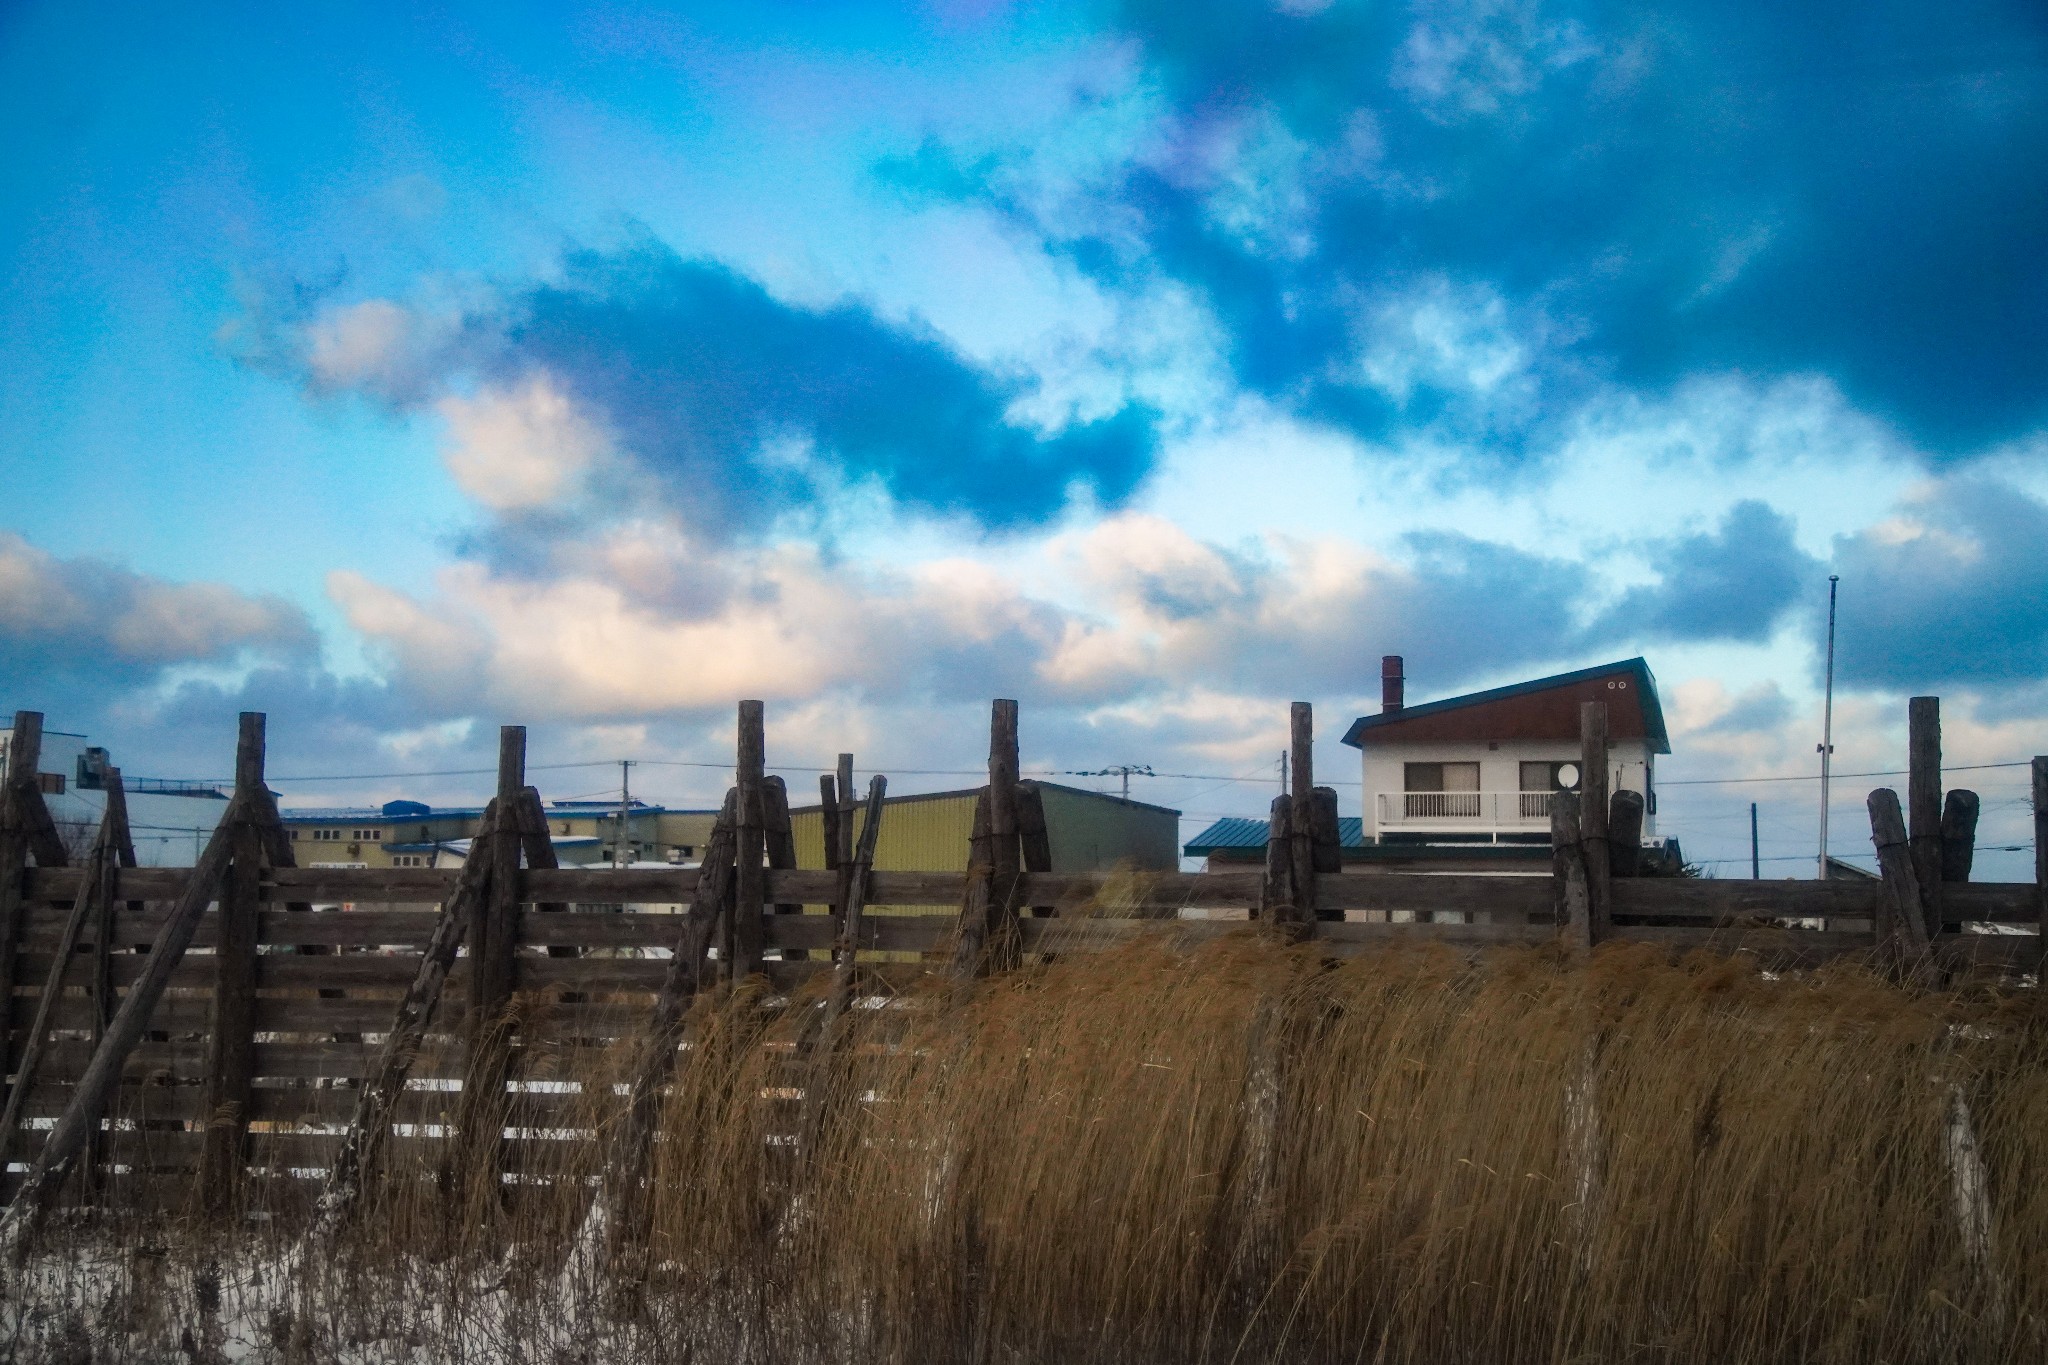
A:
1088, 831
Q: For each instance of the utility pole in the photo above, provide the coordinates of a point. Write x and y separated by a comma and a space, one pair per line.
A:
1124, 770
619, 858
1756, 864
1827, 730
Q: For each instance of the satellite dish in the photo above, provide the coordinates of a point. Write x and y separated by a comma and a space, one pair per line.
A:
1567, 776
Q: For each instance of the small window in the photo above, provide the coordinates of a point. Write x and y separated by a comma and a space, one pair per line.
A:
1441, 777
1559, 776
51, 783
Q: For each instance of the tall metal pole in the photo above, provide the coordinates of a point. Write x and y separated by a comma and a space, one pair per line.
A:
619, 858
1827, 731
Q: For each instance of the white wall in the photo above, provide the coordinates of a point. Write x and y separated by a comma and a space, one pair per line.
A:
1500, 767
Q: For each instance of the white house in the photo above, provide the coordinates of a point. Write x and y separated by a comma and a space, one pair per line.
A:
1481, 768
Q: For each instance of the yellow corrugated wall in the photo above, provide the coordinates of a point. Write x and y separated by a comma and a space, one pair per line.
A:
917, 835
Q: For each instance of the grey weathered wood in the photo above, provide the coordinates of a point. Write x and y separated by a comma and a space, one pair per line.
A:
1569, 899
1923, 805
847, 802
1593, 833
779, 839
1006, 854
24, 752
1301, 812
1899, 924
847, 949
971, 937
2040, 793
1959, 810
683, 978
73, 1130
369, 1126
828, 819
91, 892
478, 1155
1624, 835
231, 1028
1034, 839
750, 852
100, 985
1280, 899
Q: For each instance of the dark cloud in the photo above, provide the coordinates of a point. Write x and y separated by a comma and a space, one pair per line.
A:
728, 395
1733, 583
1955, 591
1646, 191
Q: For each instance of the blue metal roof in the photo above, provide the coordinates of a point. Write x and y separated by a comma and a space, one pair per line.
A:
300, 815
1236, 832
1646, 682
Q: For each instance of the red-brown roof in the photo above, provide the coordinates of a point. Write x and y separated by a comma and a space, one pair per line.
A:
1542, 709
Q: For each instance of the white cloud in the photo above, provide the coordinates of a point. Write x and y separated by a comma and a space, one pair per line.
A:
520, 448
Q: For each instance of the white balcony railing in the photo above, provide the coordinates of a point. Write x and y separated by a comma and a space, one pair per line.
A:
1464, 810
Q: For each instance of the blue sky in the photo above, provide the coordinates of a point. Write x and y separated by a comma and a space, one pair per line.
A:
401, 371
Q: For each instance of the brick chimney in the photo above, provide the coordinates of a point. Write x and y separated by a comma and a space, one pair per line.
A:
1391, 680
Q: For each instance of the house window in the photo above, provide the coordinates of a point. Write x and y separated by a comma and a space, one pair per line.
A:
52, 784
365, 836
1441, 791
1540, 781
408, 860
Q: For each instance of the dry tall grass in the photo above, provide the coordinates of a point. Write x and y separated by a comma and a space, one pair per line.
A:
1241, 1153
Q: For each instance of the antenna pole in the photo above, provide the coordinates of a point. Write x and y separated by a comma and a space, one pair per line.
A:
619, 858
1827, 730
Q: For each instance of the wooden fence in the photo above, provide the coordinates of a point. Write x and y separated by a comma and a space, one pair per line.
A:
189, 1029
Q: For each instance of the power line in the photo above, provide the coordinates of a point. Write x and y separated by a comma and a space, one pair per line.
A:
1815, 777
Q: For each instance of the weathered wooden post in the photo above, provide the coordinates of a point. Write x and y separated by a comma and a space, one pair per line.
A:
1276, 888
780, 843
1959, 811
93, 889
2041, 856
1328, 838
1923, 805
103, 1073
1901, 926
1568, 873
989, 938
25, 829
371, 1122
1034, 839
858, 868
750, 880
1301, 812
1625, 833
1593, 789
231, 1021
493, 965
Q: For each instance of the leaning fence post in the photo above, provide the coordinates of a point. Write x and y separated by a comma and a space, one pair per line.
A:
1593, 834
103, 1072
1900, 927
1923, 805
231, 1024
372, 1119
780, 843
750, 882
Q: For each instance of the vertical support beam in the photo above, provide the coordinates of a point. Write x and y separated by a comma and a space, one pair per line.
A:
24, 752
847, 804
970, 947
781, 847
1327, 840
1923, 805
1959, 812
493, 964
1900, 926
1593, 785
1569, 898
858, 867
2041, 854
1006, 862
100, 984
1276, 890
1625, 833
231, 1022
750, 881
1035, 838
1301, 813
